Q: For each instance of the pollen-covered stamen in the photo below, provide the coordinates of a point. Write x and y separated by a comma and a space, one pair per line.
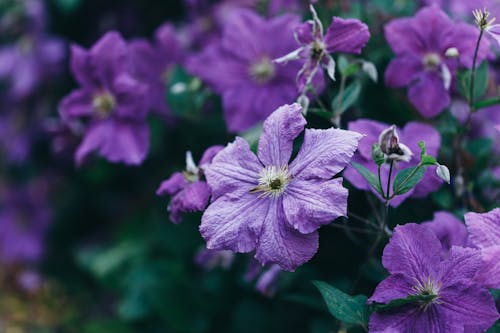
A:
103, 103
273, 181
263, 70
429, 288
482, 18
317, 50
431, 61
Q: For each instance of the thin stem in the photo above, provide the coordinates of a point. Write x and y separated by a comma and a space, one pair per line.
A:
473, 73
380, 183
389, 182
404, 181
336, 112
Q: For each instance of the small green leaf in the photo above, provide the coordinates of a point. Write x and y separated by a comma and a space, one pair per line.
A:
346, 308
412, 299
423, 149
349, 97
377, 154
428, 160
407, 179
342, 64
320, 113
369, 176
480, 82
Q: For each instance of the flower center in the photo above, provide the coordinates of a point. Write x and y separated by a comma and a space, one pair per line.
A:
317, 50
263, 70
431, 60
103, 104
429, 288
273, 181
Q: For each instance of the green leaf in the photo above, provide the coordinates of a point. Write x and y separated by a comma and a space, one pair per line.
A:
67, 6
369, 176
346, 308
320, 113
428, 160
407, 179
480, 82
412, 299
349, 97
377, 154
342, 64
423, 149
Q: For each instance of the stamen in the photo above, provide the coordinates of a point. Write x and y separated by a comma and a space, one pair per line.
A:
103, 104
263, 70
273, 181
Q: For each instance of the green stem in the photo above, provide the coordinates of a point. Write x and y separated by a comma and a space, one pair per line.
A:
405, 180
336, 112
380, 184
389, 182
473, 74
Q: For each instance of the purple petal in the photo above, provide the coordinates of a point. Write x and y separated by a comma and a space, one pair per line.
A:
371, 130
281, 244
209, 154
324, 153
489, 274
131, 97
464, 38
460, 266
193, 198
402, 36
234, 169
429, 95
117, 141
77, 104
82, 68
346, 35
393, 287
234, 223
279, 131
484, 229
307, 73
413, 251
469, 305
448, 229
109, 57
402, 71
310, 204
171, 186
304, 33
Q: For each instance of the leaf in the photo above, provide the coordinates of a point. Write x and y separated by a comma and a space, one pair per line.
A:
369, 176
349, 97
396, 303
423, 149
407, 179
377, 155
428, 160
480, 82
320, 113
346, 308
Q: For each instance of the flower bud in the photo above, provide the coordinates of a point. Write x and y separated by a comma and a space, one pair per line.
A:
452, 52
443, 173
392, 148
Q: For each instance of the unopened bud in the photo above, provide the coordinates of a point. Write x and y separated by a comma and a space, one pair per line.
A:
392, 148
452, 52
443, 173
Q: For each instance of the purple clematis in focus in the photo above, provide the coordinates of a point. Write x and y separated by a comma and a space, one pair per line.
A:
189, 191
113, 102
271, 205
343, 35
429, 47
240, 67
409, 136
484, 232
455, 302
448, 229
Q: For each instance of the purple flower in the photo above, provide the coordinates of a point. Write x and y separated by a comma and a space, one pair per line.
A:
413, 258
34, 58
429, 47
24, 219
410, 135
448, 229
111, 100
190, 193
267, 284
484, 232
240, 67
268, 204
152, 63
343, 35
209, 259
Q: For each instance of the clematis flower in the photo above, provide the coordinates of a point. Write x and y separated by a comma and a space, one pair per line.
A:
429, 47
271, 205
267, 284
448, 229
190, 193
152, 63
410, 135
456, 302
111, 100
343, 35
240, 67
484, 232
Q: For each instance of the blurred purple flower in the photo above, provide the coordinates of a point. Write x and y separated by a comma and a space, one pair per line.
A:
24, 219
266, 203
114, 103
189, 191
413, 258
28, 63
484, 232
152, 63
240, 67
209, 259
410, 135
267, 284
449, 230
343, 35
429, 47
462, 9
